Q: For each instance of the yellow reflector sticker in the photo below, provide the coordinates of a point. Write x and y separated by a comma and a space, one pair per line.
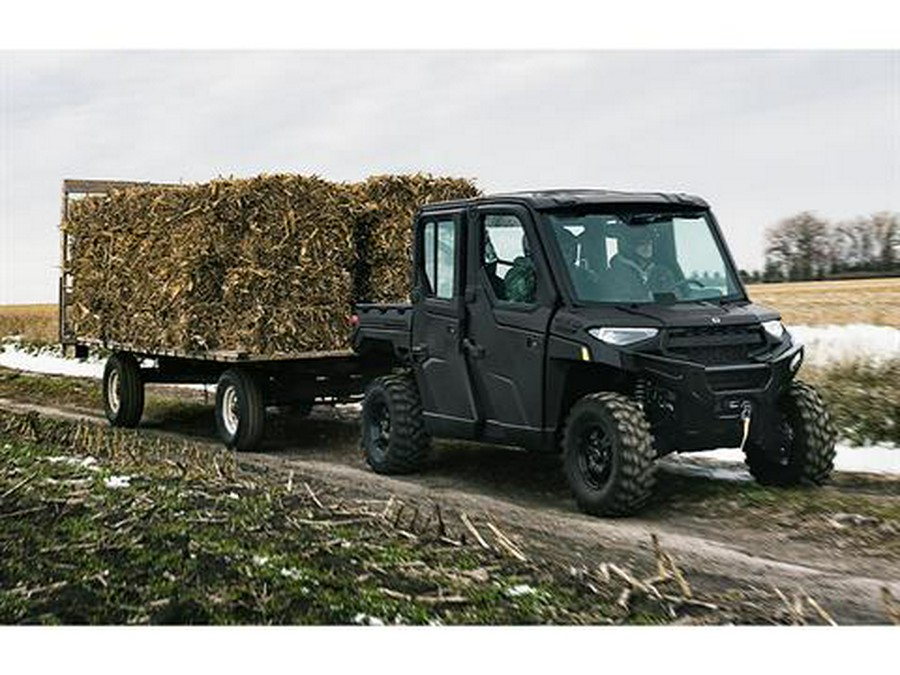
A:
585, 353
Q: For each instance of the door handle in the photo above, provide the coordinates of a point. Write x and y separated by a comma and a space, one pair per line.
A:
532, 342
451, 329
474, 350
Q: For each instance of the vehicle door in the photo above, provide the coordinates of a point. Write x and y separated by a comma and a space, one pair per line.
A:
437, 330
510, 301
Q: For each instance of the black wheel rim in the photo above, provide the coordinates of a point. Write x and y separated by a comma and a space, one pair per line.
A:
379, 429
786, 442
595, 456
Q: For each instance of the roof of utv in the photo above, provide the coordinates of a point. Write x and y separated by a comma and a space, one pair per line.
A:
549, 199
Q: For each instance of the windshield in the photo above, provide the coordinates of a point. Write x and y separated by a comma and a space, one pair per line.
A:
642, 257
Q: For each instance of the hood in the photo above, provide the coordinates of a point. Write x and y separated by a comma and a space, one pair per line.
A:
679, 315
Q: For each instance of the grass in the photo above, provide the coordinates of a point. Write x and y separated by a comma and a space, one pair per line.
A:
863, 399
875, 301
50, 389
105, 526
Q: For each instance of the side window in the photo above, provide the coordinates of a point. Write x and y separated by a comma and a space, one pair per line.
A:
507, 259
439, 257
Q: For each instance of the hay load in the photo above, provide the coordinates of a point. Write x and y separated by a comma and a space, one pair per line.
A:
390, 202
268, 266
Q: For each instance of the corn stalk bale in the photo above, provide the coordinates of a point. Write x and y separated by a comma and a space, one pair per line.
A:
210, 266
270, 265
386, 226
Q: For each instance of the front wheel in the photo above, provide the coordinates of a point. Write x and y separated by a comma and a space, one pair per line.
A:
806, 442
608, 455
393, 428
123, 390
240, 411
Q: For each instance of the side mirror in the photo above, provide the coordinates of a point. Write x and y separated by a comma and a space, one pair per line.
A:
416, 295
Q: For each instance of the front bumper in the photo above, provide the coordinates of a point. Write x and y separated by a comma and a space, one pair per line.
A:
705, 402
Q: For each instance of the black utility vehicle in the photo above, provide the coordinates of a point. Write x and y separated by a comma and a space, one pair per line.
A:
609, 326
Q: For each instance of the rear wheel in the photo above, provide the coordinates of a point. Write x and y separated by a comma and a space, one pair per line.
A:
806, 437
608, 455
393, 434
240, 411
123, 390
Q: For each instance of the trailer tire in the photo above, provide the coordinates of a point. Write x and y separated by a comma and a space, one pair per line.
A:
608, 455
240, 410
393, 429
123, 390
809, 436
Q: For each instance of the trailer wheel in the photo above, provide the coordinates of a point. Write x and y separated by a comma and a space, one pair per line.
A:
807, 442
240, 411
608, 455
123, 390
393, 430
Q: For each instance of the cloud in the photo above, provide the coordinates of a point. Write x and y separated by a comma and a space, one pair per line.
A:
760, 134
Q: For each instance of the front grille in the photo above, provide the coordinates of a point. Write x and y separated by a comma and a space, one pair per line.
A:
738, 380
714, 345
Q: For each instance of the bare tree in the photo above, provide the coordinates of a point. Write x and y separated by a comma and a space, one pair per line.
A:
799, 247
886, 239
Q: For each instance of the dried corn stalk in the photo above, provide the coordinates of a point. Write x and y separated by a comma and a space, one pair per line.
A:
270, 265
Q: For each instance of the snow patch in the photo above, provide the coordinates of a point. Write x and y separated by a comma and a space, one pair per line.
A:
80, 462
520, 590
116, 482
851, 342
49, 362
883, 458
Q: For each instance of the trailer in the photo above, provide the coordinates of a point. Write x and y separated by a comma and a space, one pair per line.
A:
246, 383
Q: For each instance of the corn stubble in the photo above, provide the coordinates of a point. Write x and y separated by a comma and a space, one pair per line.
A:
268, 266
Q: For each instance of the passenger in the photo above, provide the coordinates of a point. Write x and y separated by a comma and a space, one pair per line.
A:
520, 283
490, 267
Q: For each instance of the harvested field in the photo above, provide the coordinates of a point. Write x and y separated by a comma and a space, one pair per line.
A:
143, 530
811, 303
268, 266
34, 324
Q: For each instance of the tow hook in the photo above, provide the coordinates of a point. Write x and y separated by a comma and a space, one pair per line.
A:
746, 410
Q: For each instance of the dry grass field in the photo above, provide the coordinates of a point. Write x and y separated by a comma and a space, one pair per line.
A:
37, 324
816, 303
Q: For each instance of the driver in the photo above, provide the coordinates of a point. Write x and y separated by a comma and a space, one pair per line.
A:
633, 270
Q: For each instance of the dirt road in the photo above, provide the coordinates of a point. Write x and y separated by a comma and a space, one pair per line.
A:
839, 544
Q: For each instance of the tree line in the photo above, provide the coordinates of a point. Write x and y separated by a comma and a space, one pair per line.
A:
805, 247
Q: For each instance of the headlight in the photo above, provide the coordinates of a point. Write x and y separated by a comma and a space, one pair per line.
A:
774, 328
623, 336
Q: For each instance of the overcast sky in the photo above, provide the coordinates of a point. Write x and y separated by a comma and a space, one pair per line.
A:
761, 135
